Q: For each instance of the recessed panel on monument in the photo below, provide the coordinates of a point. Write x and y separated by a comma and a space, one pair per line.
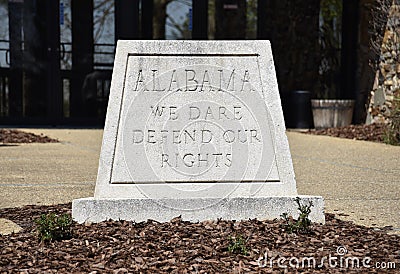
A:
194, 118
193, 128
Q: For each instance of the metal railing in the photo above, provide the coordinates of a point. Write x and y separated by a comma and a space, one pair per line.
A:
103, 55
99, 80
4, 54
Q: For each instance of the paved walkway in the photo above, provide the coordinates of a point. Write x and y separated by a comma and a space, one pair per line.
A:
359, 180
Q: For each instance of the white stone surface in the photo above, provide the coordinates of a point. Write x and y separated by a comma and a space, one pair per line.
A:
163, 210
193, 121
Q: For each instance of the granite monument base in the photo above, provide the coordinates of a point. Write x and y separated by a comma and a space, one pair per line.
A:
193, 209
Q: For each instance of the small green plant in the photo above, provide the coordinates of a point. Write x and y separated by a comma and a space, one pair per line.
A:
303, 223
51, 227
237, 245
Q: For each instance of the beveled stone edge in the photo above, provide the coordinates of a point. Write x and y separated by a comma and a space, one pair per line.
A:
241, 208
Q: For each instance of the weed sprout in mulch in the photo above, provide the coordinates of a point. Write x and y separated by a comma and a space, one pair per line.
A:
51, 227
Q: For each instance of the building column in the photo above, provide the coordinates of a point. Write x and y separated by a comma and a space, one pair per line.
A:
82, 52
200, 20
230, 19
349, 49
15, 9
147, 19
264, 7
54, 86
127, 19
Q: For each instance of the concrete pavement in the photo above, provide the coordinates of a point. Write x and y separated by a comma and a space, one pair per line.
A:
356, 178
359, 180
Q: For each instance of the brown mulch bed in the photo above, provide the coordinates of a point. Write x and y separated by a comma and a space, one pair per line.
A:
373, 132
184, 247
11, 136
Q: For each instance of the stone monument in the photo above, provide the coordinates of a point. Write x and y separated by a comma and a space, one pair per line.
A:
194, 128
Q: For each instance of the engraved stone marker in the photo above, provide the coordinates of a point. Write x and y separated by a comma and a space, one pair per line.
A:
193, 128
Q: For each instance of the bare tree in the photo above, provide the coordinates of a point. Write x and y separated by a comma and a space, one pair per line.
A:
106, 9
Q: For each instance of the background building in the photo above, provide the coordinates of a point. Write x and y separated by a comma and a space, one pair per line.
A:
56, 56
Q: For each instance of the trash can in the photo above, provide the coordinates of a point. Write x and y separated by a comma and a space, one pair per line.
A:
299, 110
